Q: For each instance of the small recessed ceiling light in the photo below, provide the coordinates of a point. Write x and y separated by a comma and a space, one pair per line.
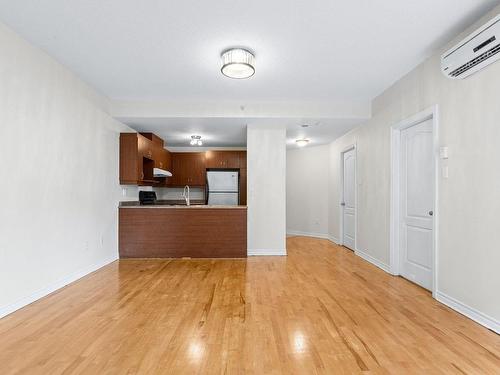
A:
196, 140
238, 63
302, 142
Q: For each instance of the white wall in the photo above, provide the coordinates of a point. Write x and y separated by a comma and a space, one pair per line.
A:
266, 200
59, 168
307, 191
469, 207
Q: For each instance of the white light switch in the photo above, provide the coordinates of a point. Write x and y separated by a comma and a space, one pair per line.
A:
444, 171
443, 152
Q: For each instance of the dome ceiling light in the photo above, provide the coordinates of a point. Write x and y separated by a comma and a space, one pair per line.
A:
302, 142
238, 63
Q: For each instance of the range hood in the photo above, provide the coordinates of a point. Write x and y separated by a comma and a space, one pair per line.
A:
158, 172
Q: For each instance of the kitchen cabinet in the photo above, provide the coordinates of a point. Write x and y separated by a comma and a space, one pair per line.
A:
162, 159
243, 186
155, 140
138, 156
242, 155
188, 168
141, 153
223, 159
145, 147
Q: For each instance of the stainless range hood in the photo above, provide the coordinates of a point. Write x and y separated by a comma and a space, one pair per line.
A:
158, 172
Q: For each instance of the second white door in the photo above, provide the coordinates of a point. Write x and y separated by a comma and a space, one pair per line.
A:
349, 200
417, 204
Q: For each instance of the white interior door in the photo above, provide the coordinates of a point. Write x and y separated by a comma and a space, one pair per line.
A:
417, 204
349, 200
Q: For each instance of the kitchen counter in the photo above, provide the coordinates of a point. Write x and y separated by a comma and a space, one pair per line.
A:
176, 204
167, 230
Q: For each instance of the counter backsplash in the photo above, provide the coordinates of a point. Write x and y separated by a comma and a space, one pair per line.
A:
131, 193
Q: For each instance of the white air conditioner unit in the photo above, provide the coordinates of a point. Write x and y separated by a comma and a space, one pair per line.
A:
478, 50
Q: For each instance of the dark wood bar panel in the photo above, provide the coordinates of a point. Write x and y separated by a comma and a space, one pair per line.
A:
175, 232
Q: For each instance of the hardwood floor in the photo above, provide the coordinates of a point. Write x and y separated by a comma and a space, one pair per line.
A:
319, 310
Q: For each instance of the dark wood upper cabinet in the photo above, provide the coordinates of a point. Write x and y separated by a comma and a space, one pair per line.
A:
188, 168
130, 161
223, 159
242, 159
157, 141
139, 155
162, 159
145, 147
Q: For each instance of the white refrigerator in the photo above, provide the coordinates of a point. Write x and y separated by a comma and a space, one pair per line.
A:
223, 188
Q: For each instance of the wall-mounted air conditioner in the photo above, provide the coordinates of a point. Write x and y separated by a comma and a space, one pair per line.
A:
478, 50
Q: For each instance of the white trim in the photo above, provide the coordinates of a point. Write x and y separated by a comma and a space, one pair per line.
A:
429, 113
51, 288
341, 231
306, 234
372, 260
333, 239
469, 312
266, 252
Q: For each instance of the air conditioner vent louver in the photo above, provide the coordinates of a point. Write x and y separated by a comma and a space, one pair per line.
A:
478, 50
476, 61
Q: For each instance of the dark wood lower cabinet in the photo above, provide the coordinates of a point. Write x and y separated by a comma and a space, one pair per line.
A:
243, 187
183, 232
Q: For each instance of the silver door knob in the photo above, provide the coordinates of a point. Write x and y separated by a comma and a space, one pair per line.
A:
431, 213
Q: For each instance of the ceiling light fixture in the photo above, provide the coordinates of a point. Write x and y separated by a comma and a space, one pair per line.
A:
302, 142
238, 63
196, 140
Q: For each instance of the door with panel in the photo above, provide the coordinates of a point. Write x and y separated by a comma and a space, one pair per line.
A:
417, 204
349, 199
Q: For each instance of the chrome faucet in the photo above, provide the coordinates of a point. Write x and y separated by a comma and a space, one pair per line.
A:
186, 196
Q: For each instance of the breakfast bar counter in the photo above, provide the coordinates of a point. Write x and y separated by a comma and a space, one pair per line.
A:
178, 231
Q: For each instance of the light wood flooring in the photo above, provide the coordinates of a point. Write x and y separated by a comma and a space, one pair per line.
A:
321, 310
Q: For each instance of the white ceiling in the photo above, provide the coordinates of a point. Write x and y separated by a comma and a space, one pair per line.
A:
231, 132
313, 51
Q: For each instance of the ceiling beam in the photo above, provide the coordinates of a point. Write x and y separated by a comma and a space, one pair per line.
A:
277, 109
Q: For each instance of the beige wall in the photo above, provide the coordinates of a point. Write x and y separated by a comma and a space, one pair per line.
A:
469, 206
59, 170
266, 178
307, 191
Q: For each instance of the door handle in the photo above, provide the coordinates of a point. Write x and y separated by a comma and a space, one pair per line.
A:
342, 204
431, 213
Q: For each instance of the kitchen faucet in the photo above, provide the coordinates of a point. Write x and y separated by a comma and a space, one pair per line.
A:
186, 197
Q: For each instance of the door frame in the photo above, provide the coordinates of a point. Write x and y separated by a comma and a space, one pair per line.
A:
341, 232
430, 113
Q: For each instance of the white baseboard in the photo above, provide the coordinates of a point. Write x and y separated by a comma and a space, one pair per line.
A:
469, 312
372, 260
6, 310
335, 240
306, 234
266, 252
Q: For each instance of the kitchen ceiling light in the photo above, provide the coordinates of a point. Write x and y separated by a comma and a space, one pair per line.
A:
302, 142
196, 140
238, 63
